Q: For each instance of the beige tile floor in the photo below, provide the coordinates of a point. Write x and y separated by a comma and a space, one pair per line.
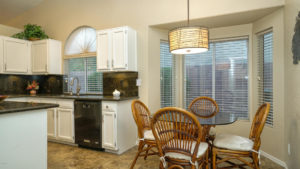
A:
69, 157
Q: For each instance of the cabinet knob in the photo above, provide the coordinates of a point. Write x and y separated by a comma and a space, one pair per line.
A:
112, 63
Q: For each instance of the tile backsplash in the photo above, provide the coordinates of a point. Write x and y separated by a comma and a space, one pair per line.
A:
125, 82
17, 84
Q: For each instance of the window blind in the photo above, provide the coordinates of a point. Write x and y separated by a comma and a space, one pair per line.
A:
265, 72
167, 76
94, 79
198, 76
85, 69
231, 77
220, 73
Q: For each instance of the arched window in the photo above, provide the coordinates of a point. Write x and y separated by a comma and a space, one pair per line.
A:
82, 41
80, 61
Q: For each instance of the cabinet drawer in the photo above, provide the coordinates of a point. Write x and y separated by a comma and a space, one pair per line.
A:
50, 101
109, 106
64, 103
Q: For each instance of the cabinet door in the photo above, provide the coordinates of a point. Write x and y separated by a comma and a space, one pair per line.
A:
119, 48
51, 123
54, 59
65, 125
1, 55
39, 56
103, 50
109, 130
16, 55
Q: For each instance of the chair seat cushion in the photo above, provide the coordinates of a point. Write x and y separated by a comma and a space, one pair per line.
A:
148, 135
233, 142
201, 151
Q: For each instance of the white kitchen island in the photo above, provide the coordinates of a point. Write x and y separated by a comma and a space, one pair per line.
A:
23, 135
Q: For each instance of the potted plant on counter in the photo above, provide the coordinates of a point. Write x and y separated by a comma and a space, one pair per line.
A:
33, 87
31, 32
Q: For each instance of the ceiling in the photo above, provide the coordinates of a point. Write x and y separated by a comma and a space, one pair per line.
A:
12, 8
223, 20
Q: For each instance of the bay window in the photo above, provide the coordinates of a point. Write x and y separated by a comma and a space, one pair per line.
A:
221, 73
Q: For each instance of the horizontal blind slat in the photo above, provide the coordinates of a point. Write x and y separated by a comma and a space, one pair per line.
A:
167, 82
85, 69
265, 72
231, 76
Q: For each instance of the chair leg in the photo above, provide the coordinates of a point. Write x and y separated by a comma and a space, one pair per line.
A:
141, 145
214, 159
146, 155
161, 166
206, 160
255, 160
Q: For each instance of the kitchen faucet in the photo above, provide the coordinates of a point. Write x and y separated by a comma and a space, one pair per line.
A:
77, 86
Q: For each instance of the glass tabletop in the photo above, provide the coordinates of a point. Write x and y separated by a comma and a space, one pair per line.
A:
219, 119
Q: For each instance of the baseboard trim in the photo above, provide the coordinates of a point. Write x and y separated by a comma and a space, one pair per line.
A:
274, 159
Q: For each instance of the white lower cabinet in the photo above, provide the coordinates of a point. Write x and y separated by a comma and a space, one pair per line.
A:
109, 131
51, 116
119, 132
65, 124
60, 121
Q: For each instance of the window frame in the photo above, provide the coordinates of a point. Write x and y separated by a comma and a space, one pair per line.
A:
85, 76
259, 49
174, 81
235, 38
180, 79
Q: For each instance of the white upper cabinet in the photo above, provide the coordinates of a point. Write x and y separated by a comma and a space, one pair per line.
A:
25, 57
117, 49
46, 56
16, 55
103, 50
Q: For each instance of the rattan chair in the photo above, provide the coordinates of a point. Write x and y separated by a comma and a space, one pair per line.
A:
239, 148
141, 115
176, 167
204, 107
178, 136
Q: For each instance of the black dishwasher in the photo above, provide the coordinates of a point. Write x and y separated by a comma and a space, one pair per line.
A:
88, 121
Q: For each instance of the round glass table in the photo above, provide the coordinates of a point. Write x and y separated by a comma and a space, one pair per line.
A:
219, 119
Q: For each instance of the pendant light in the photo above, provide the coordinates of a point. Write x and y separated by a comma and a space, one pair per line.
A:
188, 39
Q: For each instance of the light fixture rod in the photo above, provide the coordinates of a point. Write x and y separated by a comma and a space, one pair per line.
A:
188, 12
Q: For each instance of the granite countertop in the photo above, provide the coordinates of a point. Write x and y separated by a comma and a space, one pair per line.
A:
80, 97
12, 107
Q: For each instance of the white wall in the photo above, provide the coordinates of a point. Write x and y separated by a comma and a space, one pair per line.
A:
8, 30
292, 88
272, 136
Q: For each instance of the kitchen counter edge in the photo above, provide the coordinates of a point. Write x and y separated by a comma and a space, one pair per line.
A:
13, 107
83, 97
